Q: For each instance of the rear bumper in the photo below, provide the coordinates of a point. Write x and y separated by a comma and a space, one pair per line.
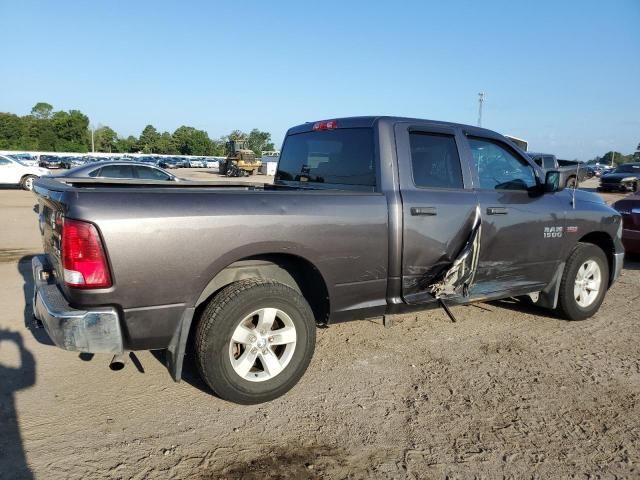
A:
96, 330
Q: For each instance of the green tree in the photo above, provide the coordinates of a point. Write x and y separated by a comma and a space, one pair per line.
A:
190, 141
148, 139
166, 145
105, 139
618, 158
71, 131
11, 130
126, 145
42, 110
259, 141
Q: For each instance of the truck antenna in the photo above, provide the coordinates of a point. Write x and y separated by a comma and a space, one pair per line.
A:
575, 186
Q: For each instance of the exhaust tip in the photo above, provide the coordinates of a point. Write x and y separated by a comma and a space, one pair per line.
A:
117, 363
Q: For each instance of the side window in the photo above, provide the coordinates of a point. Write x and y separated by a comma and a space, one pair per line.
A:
146, 173
4, 162
435, 161
499, 168
117, 171
95, 173
548, 162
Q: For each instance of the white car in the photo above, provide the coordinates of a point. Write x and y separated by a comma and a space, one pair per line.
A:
13, 172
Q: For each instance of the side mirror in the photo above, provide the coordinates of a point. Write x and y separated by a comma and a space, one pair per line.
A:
552, 181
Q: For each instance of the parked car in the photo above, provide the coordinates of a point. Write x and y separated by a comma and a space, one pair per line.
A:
623, 178
25, 159
50, 161
169, 162
571, 173
629, 208
196, 163
15, 173
367, 216
120, 169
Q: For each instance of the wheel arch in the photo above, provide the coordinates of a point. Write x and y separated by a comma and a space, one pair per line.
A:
289, 269
603, 241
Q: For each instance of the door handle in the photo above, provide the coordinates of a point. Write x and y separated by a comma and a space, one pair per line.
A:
497, 210
428, 211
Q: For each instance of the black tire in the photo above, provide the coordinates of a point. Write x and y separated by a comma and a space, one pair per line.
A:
27, 182
218, 322
571, 181
568, 306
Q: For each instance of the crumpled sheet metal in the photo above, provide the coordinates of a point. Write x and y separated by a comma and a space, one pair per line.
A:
459, 277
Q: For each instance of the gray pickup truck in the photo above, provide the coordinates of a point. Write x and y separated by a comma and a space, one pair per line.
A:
367, 217
571, 172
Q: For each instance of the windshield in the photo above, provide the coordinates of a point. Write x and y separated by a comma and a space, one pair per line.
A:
329, 158
635, 168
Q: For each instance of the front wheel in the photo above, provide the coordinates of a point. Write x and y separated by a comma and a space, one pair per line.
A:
27, 182
254, 341
584, 282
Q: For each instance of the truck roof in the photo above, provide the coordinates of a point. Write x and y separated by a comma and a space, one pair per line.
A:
371, 120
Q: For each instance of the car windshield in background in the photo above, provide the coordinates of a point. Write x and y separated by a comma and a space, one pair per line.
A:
329, 157
635, 168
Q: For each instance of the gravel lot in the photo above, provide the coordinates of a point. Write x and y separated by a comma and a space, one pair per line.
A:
507, 392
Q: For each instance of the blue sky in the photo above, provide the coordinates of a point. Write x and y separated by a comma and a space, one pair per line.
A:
563, 74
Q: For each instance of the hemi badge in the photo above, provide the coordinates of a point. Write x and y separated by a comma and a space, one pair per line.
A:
572, 229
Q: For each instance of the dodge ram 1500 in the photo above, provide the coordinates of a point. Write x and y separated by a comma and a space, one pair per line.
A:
366, 217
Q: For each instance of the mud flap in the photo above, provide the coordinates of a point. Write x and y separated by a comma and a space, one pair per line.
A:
458, 279
178, 345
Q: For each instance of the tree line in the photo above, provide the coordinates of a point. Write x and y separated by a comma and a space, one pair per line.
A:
616, 158
58, 131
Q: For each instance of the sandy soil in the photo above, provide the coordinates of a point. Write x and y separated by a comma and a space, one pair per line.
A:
506, 392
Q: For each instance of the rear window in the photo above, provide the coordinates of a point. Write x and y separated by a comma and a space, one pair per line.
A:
329, 157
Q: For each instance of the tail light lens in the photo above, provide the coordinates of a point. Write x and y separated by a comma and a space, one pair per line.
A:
83, 258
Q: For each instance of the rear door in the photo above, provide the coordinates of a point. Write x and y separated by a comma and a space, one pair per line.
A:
523, 229
438, 205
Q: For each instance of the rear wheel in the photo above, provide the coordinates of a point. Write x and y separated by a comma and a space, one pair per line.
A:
254, 341
584, 282
571, 182
27, 182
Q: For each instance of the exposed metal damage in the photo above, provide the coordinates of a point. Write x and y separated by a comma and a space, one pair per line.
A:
458, 279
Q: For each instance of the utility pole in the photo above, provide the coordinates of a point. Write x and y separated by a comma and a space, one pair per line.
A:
613, 155
480, 102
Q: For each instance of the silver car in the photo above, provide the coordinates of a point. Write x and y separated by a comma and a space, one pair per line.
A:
133, 170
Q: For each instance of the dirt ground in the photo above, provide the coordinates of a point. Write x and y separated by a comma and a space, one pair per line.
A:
506, 392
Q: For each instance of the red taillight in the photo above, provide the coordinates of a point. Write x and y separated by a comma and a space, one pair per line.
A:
326, 125
83, 258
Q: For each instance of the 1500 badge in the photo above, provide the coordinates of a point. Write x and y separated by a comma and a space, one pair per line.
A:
553, 232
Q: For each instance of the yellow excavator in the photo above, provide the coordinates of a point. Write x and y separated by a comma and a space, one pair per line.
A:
240, 160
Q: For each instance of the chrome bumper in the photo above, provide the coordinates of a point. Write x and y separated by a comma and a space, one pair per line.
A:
93, 331
618, 261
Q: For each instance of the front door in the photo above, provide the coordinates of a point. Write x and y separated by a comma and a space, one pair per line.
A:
439, 205
522, 228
